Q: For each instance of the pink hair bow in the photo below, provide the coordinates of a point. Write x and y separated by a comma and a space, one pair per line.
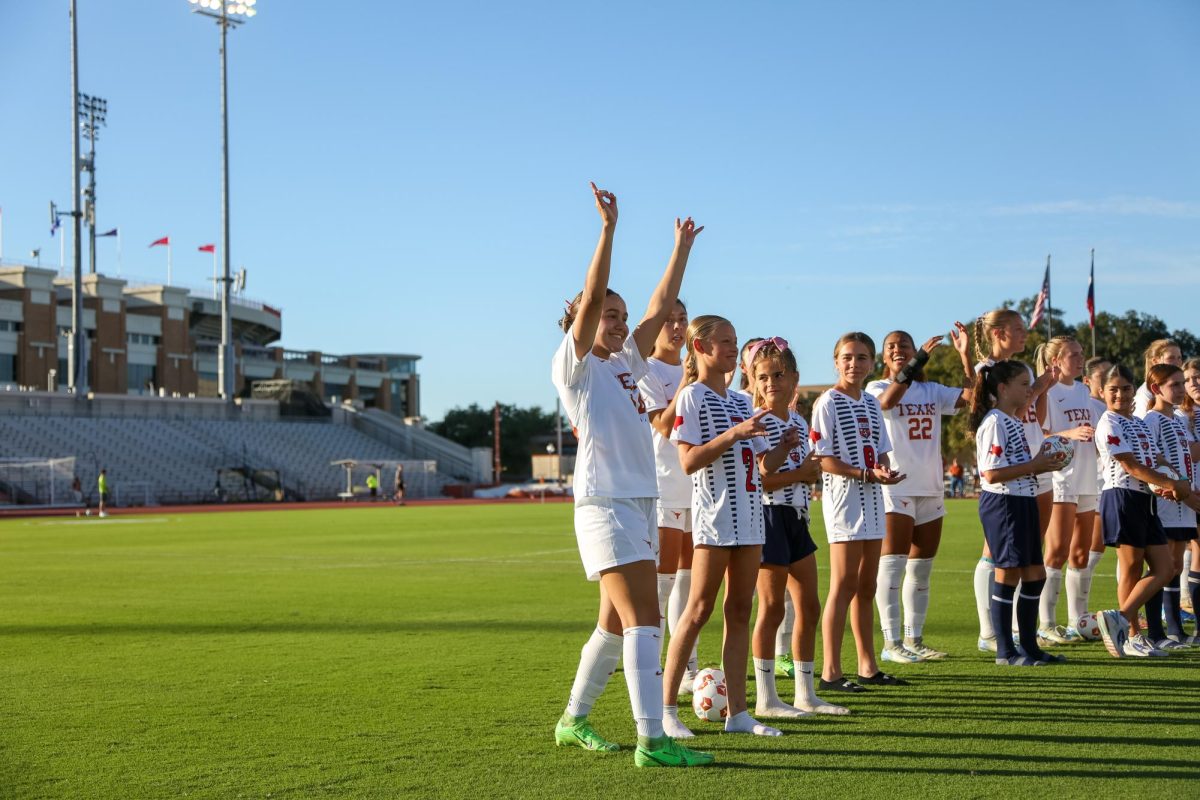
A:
779, 342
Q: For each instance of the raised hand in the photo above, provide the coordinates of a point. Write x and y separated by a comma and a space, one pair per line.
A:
749, 428
934, 341
686, 232
962, 341
1046, 379
606, 202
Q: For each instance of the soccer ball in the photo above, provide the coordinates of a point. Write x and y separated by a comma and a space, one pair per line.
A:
1088, 627
1059, 444
710, 697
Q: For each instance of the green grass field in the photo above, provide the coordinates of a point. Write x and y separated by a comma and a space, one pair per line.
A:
427, 652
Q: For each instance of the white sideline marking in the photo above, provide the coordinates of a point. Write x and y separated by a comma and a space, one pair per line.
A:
98, 521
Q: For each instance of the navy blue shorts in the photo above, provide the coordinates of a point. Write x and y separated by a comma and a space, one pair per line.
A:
788, 539
1128, 518
1180, 534
1012, 529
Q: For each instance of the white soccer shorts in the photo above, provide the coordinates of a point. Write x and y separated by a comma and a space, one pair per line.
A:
612, 531
679, 519
921, 509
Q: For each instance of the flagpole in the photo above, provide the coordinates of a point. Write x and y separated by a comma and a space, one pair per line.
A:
1049, 305
118, 252
62, 249
215, 279
168, 261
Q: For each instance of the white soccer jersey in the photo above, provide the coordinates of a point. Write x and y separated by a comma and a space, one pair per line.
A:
658, 386
1171, 439
1098, 409
1000, 442
1028, 418
1191, 426
727, 494
851, 431
615, 457
1116, 435
794, 494
1069, 407
914, 426
1143, 401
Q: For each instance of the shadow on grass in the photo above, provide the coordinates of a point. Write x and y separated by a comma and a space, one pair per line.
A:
917, 755
287, 626
1089, 773
1073, 739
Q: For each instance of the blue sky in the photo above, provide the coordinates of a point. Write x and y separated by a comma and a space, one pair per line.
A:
413, 177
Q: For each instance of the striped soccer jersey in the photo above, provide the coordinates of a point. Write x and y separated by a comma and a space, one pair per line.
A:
852, 431
1116, 435
1170, 437
727, 494
1034, 436
1191, 426
794, 494
1000, 442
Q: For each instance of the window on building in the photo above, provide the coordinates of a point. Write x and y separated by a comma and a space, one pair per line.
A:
8, 368
140, 378
10, 326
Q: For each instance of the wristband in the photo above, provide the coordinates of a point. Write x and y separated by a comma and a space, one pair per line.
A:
909, 370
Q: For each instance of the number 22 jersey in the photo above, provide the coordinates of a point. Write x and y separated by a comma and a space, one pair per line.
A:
914, 426
727, 494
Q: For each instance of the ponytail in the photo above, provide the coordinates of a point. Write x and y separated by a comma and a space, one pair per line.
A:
1047, 352
986, 325
980, 355
987, 385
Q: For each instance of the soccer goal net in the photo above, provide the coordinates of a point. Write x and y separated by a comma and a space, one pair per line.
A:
37, 481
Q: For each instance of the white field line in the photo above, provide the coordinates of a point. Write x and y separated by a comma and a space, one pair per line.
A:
106, 521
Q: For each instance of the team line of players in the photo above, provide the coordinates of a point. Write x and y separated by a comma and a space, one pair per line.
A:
683, 484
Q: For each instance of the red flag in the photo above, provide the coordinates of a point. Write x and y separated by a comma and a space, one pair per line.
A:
208, 248
165, 240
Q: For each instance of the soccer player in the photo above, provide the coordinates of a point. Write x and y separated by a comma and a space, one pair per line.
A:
850, 438
595, 371
721, 445
1173, 442
913, 408
664, 375
1069, 414
102, 490
1008, 508
1160, 351
398, 486
1000, 335
788, 564
1189, 413
1129, 458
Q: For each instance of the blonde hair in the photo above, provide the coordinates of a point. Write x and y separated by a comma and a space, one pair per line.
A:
1188, 404
771, 351
988, 324
1156, 350
1046, 353
700, 328
572, 310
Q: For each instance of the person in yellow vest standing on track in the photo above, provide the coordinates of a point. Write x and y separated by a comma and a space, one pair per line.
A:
373, 485
102, 487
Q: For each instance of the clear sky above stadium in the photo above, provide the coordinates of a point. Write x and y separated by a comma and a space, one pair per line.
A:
414, 177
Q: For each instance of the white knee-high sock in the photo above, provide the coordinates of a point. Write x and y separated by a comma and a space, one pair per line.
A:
887, 596
597, 662
916, 596
1048, 605
644, 678
783, 636
1076, 596
984, 570
1187, 566
666, 583
679, 598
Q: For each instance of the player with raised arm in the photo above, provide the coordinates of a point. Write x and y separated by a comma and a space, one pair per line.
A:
913, 408
1008, 508
1131, 466
1173, 441
788, 564
1069, 414
1160, 351
1189, 414
852, 442
721, 445
1000, 335
595, 371
664, 375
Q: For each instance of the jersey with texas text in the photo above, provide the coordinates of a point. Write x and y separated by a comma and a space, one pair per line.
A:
914, 426
1069, 407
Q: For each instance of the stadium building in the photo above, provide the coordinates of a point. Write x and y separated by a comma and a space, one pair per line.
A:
152, 415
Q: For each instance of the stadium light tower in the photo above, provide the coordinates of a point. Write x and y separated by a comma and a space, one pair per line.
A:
228, 14
76, 356
93, 114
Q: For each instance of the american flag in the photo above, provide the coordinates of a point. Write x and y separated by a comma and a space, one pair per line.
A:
1039, 308
1091, 300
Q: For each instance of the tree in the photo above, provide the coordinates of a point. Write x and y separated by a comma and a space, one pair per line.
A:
472, 427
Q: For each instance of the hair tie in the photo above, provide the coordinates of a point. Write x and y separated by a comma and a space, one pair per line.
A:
779, 342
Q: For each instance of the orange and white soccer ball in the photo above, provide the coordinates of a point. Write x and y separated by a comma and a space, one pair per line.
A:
710, 696
1088, 627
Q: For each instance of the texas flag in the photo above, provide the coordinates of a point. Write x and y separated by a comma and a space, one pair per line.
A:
166, 240
207, 248
997, 450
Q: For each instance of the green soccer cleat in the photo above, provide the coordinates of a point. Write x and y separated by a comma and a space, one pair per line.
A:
666, 752
578, 732
785, 667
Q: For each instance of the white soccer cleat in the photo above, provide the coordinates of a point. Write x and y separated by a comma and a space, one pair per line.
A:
923, 650
1054, 635
898, 654
1114, 631
1143, 642
986, 644
685, 684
